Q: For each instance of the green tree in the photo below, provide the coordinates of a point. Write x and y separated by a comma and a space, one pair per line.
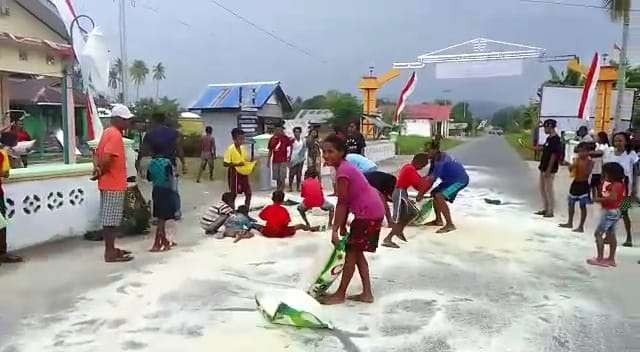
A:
345, 107
316, 102
159, 74
461, 113
139, 72
569, 78
620, 11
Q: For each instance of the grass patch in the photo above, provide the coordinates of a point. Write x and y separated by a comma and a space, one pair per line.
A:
412, 144
514, 141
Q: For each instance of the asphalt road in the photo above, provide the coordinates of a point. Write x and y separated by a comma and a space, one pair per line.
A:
505, 281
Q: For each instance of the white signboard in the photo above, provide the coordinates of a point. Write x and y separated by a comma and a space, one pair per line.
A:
478, 69
458, 126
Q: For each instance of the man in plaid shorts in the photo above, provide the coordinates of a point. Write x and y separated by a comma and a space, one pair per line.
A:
110, 170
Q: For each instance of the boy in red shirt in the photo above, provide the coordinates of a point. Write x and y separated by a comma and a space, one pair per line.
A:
278, 154
403, 209
277, 219
313, 197
613, 191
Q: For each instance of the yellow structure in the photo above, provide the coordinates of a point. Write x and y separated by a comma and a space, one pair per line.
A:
369, 85
604, 87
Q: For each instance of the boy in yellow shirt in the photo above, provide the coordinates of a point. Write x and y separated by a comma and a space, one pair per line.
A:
239, 167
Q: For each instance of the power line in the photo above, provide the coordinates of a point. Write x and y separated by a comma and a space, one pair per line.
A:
265, 31
568, 4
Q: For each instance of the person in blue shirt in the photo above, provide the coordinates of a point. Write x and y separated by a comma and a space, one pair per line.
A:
361, 163
453, 179
161, 173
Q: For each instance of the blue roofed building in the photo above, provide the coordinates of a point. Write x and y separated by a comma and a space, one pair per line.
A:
253, 106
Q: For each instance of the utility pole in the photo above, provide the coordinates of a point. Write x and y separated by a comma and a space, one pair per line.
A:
622, 67
123, 51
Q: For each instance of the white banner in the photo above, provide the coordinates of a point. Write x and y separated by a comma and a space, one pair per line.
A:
479, 69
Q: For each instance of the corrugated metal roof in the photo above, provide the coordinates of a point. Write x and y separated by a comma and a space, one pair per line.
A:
46, 12
227, 95
428, 112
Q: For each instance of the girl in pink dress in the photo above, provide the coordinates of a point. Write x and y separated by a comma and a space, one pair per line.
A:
355, 196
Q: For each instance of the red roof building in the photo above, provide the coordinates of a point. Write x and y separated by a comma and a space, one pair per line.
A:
426, 111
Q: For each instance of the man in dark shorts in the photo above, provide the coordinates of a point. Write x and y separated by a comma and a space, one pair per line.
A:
580, 190
385, 184
453, 179
238, 167
164, 141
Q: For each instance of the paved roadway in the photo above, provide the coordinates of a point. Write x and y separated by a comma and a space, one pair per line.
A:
506, 281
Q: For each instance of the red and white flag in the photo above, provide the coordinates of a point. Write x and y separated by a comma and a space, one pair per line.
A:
404, 95
67, 13
589, 91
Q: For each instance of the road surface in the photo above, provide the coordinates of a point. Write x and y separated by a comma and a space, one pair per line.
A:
505, 281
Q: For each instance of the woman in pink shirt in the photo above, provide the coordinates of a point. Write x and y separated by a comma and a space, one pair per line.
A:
355, 196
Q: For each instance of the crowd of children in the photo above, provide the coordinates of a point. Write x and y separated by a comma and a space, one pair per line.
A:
361, 191
601, 174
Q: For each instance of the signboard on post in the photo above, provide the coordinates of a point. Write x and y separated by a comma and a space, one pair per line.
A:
458, 126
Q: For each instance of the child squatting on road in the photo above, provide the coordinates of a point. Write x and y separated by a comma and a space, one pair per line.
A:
580, 189
313, 197
613, 193
403, 209
453, 179
355, 196
277, 219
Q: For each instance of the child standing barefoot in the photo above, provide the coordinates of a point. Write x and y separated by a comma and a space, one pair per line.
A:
160, 173
355, 195
613, 191
580, 189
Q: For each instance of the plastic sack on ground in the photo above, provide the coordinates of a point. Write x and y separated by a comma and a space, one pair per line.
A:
423, 213
331, 269
292, 307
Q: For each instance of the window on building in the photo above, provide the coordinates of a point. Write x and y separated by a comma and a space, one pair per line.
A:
22, 55
51, 60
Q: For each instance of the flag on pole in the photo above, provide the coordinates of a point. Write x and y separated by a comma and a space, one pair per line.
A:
67, 13
404, 95
589, 91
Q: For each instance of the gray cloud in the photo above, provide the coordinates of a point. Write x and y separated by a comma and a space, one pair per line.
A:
199, 43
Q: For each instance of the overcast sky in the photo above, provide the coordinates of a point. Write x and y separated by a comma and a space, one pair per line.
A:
199, 43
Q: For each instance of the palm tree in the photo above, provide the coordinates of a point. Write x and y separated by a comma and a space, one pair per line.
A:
114, 78
619, 10
159, 74
138, 72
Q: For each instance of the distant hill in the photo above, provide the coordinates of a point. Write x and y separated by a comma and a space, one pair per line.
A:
483, 109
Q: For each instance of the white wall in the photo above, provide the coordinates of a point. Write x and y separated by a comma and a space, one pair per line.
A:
49, 209
222, 123
418, 127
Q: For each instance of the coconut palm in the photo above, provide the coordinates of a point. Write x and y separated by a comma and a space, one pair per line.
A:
619, 10
159, 74
114, 78
139, 72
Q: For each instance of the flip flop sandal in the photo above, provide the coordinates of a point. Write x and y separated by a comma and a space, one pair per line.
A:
445, 230
8, 258
119, 259
122, 252
390, 244
401, 236
627, 244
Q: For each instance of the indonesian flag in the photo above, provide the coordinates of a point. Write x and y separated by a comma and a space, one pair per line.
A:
404, 95
589, 91
67, 13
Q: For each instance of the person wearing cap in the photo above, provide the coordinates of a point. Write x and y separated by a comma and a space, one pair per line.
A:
111, 172
549, 163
